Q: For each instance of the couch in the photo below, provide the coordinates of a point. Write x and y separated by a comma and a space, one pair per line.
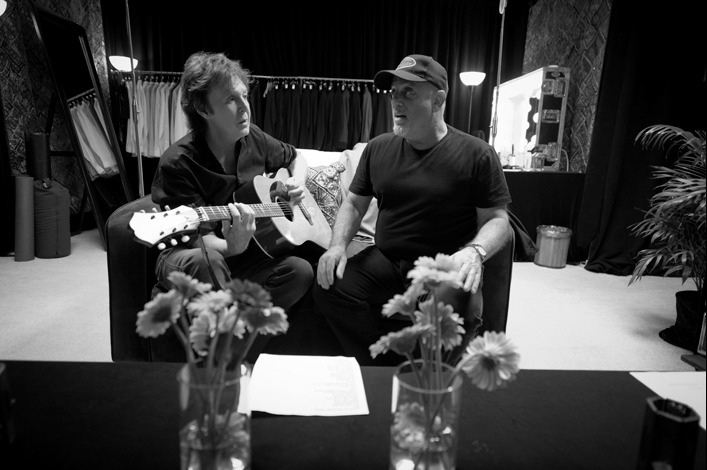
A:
131, 277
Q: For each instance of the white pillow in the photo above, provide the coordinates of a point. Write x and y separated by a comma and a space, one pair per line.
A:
319, 157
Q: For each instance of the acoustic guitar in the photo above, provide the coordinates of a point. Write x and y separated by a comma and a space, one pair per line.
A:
280, 228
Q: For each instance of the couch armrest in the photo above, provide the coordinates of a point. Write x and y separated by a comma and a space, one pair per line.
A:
130, 281
496, 288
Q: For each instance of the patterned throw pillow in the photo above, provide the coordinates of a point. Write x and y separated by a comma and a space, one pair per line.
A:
324, 182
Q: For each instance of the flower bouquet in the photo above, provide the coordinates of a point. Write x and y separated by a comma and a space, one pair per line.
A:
217, 329
426, 390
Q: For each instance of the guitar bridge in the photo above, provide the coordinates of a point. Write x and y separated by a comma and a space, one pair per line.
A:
306, 213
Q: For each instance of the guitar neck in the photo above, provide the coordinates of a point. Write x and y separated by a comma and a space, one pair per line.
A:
217, 213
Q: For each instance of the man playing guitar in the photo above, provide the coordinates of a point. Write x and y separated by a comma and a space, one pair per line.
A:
223, 153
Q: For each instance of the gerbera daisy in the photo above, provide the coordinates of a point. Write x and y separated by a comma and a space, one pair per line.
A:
400, 304
249, 293
270, 320
185, 285
212, 301
159, 314
433, 272
490, 361
401, 342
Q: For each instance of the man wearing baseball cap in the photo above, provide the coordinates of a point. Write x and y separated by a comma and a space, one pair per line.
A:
439, 190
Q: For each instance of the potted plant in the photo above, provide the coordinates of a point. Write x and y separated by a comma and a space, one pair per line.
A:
675, 225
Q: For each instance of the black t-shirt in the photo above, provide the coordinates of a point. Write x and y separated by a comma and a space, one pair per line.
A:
189, 173
427, 199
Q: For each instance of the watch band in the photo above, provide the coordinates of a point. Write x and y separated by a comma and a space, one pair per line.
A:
480, 250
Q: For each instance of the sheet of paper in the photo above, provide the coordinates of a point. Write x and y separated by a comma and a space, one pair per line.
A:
686, 387
307, 386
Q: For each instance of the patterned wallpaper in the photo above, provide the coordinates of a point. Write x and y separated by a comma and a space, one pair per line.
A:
27, 86
571, 34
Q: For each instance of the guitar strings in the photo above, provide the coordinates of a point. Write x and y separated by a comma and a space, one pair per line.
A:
262, 210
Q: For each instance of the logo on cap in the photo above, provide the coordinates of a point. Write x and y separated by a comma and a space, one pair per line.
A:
407, 62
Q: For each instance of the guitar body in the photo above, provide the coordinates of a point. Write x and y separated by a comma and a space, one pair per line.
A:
277, 236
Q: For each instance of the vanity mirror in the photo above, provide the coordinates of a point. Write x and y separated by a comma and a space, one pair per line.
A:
530, 113
78, 93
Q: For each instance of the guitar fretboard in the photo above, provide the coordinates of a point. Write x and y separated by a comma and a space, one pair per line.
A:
216, 213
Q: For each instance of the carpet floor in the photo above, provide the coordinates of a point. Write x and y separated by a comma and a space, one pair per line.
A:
570, 318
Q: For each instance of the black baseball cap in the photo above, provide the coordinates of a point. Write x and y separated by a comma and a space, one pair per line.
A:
415, 68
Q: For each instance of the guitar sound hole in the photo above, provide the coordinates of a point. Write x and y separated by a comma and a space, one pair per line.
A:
278, 195
289, 215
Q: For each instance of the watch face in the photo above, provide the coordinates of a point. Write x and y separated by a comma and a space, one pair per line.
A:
480, 250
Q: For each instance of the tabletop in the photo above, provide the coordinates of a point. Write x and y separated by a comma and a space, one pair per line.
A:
125, 415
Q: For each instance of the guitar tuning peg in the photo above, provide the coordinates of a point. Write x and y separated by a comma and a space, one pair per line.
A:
142, 210
167, 208
161, 246
154, 209
185, 238
173, 242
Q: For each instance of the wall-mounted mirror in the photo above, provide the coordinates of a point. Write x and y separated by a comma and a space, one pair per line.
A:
79, 95
530, 111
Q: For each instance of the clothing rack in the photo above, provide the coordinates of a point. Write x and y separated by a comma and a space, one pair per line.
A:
84, 94
320, 79
146, 72
289, 119
127, 76
267, 77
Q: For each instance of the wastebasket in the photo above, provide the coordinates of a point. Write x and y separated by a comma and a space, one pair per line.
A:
553, 243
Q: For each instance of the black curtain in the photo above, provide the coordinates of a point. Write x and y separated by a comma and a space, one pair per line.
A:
654, 73
342, 40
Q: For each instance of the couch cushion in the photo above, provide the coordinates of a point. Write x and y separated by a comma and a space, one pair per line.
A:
324, 182
329, 185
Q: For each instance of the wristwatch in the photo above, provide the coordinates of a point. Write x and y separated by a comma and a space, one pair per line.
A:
480, 250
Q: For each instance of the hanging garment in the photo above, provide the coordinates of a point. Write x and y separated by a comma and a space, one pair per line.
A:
130, 127
324, 118
93, 140
142, 115
304, 137
354, 117
271, 111
366, 115
98, 138
180, 120
93, 166
342, 140
162, 98
294, 117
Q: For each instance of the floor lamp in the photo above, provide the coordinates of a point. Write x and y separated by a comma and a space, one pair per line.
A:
471, 79
129, 64
494, 119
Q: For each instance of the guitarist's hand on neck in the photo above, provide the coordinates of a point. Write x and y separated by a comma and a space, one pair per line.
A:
238, 231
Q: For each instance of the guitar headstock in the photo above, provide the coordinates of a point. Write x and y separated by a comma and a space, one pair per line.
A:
165, 228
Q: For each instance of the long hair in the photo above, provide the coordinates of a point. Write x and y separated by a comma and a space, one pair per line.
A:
202, 72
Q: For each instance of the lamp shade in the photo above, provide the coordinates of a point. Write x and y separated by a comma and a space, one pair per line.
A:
472, 78
3, 6
122, 63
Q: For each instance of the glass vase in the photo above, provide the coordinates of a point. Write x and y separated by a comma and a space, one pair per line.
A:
425, 411
214, 419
